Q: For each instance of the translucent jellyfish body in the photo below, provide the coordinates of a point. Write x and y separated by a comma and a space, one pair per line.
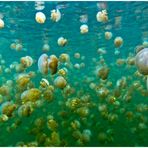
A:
27, 61
32, 95
141, 62
46, 63
60, 82
55, 15
53, 64
102, 16
108, 35
43, 63
8, 108
62, 41
1, 23
83, 29
40, 17
118, 42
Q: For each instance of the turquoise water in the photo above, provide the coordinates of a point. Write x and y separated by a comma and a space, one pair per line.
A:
88, 111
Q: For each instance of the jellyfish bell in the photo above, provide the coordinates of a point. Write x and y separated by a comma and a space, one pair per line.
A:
43, 63
55, 15
53, 64
60, 82
2, 24
27, 61
40, 17
118, 41
83, 29
62, 41
141, 61
102, 16
108, 35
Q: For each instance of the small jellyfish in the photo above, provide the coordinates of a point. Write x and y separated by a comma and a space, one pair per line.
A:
141, 61
46, 47
118, 42
2, 24
43, 63
62, 41
108, 35
27, 61
40, 17
83, 29
55, 15
60, 82
102, 16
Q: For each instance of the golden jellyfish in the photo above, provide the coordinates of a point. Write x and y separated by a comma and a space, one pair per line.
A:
141, 61
102, 16
27, 61
103, 72
32, 95
83, 111
60, 82
83, 29
8, 108
53, 64
62, 41
63, 72
44, 83
64, 58
48, 94
55, 15
43, 63
108, 35
22, 80
52, 124
25, 110
118, 42
2, 24
40, 17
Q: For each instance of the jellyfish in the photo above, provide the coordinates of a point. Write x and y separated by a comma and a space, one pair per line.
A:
141, 62
2, 24
55, 15
40, 17
83, 29
43, 63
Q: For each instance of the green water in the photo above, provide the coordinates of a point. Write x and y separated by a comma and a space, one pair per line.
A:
124, 123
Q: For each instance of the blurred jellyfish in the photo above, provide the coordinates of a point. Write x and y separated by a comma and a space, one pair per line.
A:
55, 15
1, 24
83, 18
40, 17
39, 5
83, 29
43, 63
142, 62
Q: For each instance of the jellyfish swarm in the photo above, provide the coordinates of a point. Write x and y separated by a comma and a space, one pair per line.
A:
141, 62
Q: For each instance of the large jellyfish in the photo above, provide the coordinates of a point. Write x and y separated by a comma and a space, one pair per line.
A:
142, 62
